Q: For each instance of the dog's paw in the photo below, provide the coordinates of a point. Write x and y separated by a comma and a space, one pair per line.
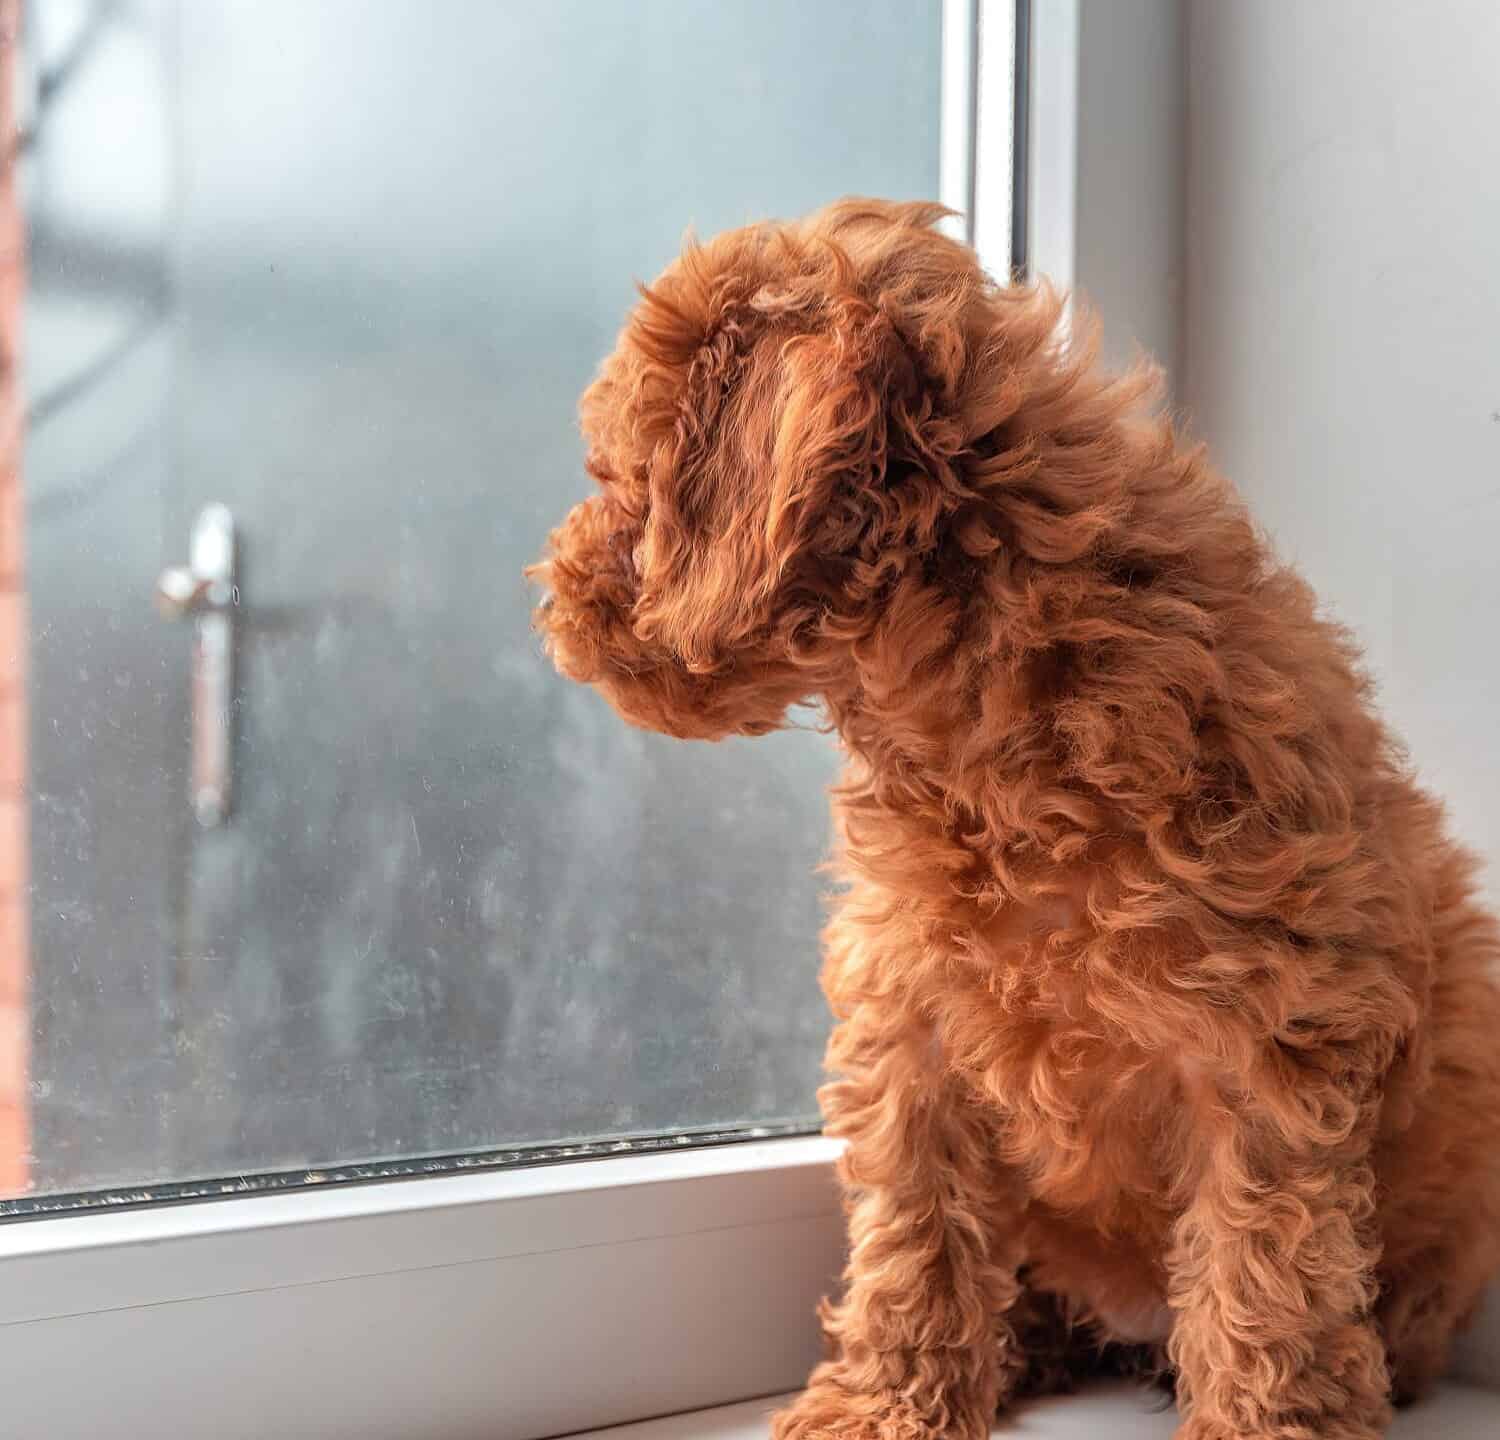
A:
827, 1413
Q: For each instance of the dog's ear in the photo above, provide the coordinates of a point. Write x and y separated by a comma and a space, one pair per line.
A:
809, 463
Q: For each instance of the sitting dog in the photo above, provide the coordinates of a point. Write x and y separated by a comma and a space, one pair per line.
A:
1164, 1005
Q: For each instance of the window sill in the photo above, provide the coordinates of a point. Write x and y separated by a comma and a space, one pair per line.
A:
507, 1304
1456, 1412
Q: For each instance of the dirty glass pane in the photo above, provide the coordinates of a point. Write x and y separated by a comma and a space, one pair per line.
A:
342, 269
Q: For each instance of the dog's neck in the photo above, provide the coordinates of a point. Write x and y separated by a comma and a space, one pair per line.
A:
960, 763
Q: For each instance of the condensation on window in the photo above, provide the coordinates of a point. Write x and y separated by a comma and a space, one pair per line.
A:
343, 269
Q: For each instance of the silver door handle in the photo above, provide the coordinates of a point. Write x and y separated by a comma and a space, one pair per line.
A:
205, 590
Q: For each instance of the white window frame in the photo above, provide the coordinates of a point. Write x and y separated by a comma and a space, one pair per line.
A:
513, 1303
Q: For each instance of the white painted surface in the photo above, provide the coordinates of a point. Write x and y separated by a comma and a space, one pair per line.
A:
975, 163
1131, 157
956, 157
1118, 1411
1108, 166
1342, 345
518, 1304
994, 141
1054, 140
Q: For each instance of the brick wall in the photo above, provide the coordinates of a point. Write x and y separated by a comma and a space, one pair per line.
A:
15, 1026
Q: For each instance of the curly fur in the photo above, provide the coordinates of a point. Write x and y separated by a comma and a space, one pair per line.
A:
1166, 1014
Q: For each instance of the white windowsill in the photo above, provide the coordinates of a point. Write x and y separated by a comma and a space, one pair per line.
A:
505, 1305
1457, 1412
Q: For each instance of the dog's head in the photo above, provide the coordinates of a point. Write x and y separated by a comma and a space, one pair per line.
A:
774, 439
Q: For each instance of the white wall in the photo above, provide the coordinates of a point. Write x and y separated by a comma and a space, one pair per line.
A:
1108, 142
1131, 140
1341, 339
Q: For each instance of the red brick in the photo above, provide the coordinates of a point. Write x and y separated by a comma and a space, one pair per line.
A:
15, 1142
12, 533
14, 871
15, 1041
12, 642
15, 944
12, 744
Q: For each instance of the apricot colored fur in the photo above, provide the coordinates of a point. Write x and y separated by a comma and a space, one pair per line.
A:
1164, 1005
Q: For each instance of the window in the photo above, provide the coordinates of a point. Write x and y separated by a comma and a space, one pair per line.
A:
344, 271
310, 867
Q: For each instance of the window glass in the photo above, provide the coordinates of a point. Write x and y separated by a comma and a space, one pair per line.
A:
342, 269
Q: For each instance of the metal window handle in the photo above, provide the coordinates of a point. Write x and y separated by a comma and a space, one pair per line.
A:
205, 590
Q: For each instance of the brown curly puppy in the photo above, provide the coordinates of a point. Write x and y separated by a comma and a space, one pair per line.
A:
1164, 1003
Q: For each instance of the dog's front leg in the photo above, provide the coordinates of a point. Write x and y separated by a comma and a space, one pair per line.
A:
920, 1344
1272, 1274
